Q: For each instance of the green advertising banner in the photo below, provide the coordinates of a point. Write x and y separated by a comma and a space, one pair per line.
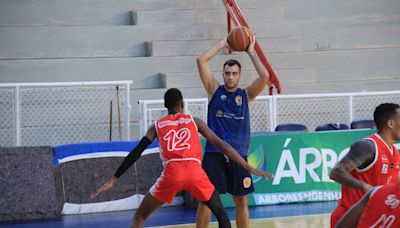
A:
301, 163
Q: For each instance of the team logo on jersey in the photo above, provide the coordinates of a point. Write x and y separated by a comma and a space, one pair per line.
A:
218, 113
385, 168
392, 201
247, 182
223, 97
384, 158
238, 100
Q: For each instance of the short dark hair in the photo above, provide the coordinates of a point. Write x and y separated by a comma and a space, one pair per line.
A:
383, 113
232, 62
172, 98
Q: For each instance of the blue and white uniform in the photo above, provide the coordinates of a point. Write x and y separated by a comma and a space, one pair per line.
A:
228, 116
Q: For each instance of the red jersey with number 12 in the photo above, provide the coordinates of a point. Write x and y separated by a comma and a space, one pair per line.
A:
181, 155
178, 138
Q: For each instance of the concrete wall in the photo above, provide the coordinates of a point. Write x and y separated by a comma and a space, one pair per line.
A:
28, 188
82, 177
35, 183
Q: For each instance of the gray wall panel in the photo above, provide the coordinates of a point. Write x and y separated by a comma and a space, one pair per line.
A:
27, 184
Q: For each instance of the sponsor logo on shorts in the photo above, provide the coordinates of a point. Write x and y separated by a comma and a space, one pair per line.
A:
247, 182
392, 201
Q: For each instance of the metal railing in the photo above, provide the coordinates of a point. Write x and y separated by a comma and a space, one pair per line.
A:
266, 112
33, 114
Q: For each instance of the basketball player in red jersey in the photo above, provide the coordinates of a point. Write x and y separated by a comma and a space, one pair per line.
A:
371, 161
181, 154
379, 207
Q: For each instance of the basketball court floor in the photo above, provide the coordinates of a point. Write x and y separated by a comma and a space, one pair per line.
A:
298, 215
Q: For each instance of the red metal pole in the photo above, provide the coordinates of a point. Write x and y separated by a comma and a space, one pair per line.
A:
228, 18
234, 10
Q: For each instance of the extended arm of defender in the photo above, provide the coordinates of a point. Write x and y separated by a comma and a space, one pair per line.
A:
227, 149
129, 160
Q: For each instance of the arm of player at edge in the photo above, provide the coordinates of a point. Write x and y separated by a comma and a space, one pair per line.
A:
129, 160
360, 153
352, 216
227, 149
258, 85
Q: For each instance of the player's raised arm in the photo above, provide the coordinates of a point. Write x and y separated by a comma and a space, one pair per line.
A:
206, 75
227, 149
259, 84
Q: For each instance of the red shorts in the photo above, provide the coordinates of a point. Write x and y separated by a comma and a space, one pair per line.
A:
337, 214
182, 175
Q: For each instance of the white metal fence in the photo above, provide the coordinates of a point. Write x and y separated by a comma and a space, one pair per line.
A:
34, 114
266, 112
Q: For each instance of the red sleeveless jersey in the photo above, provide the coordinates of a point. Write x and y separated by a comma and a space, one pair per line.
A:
382, 209
383, 170
178, 138
181, 155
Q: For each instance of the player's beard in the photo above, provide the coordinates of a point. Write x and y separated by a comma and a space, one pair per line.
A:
231, 86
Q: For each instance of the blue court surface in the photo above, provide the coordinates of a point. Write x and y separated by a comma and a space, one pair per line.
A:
179, 215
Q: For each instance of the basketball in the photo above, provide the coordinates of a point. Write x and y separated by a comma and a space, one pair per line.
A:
239, 38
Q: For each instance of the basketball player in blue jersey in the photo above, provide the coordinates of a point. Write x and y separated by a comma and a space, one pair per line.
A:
228, 116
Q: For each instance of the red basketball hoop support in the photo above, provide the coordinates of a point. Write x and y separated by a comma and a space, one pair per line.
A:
235, 14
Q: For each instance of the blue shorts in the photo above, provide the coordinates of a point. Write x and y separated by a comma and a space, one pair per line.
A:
227, 175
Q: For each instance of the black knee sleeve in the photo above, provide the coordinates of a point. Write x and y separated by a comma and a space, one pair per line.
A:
216, 206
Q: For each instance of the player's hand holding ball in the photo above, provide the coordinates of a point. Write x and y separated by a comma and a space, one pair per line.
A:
241, 39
